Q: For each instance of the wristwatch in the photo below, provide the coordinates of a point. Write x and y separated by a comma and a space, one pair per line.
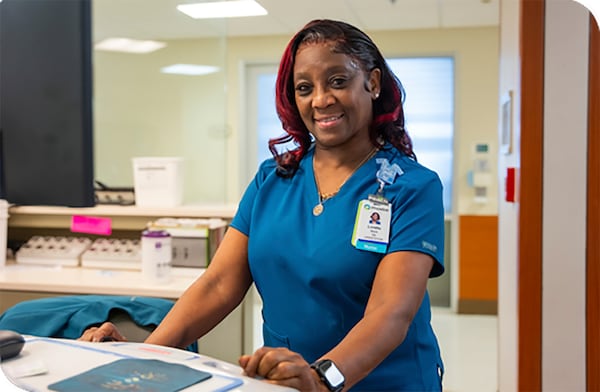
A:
329, 374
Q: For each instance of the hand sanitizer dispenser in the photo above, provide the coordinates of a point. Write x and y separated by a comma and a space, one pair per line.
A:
481, 175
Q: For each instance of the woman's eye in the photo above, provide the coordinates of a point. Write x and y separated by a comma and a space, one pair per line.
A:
338, 82
303, 89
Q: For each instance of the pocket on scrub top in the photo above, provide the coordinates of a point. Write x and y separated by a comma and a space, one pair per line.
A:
273, 339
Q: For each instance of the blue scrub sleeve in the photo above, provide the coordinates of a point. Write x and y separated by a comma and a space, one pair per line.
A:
242, 218
418, 221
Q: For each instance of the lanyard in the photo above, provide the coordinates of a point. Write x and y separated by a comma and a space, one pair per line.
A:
386, 175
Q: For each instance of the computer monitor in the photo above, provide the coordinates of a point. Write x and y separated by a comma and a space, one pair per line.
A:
46, 153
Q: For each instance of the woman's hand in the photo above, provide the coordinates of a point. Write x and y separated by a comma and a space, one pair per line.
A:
106, 332
282, 367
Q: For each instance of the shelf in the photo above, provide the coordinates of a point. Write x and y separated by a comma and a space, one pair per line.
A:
225, 211
123, 217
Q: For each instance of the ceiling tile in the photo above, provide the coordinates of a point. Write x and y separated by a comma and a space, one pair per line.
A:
401, 14
461, 13
159, 19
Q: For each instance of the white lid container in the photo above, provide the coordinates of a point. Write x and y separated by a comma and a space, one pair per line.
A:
158, 181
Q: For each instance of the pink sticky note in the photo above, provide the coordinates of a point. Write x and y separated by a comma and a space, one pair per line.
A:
91, 225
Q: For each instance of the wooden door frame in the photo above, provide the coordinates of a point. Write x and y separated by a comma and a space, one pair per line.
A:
531, 190
593, 215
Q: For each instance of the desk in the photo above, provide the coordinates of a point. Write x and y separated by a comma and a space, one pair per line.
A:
65, 358
26, 282
77, 280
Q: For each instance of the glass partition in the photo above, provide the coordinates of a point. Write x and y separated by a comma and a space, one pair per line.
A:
140, 111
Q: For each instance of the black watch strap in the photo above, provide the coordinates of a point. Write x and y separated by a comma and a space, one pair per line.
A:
329, 374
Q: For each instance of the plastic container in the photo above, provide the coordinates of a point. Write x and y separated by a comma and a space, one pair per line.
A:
156, 256
158, 181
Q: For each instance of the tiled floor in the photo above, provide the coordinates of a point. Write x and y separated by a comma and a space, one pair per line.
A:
469, 350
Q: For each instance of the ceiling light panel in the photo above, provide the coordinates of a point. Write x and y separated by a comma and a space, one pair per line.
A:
223, 9
189, 69
129, 45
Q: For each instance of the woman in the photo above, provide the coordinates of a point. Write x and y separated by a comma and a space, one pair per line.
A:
344, 302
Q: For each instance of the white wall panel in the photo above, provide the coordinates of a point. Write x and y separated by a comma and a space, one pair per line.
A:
564, 203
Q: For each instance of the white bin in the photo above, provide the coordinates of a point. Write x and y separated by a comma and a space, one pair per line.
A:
158, 181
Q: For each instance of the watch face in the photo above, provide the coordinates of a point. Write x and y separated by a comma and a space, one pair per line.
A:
332, 374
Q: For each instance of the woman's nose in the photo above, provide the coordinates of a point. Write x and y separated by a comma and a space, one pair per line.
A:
322, 98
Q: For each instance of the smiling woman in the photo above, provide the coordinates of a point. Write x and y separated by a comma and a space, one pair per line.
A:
341, 104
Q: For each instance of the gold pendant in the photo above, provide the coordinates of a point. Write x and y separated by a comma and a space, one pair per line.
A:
318, 209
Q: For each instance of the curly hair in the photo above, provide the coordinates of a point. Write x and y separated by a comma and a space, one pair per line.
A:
388, 113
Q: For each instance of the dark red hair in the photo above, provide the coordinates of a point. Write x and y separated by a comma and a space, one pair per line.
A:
388, 114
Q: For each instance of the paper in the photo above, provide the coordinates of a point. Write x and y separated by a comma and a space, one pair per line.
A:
131, 374
91, 225
28, 369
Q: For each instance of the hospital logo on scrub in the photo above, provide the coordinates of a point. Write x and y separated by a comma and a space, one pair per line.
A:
429, 246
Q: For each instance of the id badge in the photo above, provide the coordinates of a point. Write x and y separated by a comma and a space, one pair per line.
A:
372, 226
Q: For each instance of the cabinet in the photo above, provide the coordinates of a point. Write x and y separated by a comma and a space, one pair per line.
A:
26, 282
126, 221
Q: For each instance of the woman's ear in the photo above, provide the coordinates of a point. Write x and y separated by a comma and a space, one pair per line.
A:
375, 83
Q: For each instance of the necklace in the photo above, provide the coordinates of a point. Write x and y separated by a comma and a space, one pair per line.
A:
323, 197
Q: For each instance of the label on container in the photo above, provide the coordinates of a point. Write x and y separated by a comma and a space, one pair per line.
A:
156, 256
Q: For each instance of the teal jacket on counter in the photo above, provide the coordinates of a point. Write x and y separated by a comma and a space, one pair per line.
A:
69, 316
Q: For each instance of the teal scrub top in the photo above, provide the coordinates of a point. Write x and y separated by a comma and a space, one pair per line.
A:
315, 284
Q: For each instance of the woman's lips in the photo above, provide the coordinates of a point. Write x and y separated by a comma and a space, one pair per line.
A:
329, 120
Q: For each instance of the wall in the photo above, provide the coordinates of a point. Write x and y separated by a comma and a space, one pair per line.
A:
509, 79
564, 196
